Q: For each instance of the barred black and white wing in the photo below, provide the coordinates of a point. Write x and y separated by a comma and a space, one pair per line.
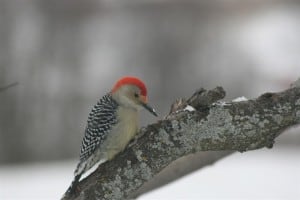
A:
100, 122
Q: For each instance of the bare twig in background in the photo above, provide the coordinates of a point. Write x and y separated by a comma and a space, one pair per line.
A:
8, 86
225, 127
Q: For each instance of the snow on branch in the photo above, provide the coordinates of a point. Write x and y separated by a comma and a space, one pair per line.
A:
198, 124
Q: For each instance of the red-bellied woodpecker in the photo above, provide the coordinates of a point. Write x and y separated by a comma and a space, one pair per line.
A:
111, 124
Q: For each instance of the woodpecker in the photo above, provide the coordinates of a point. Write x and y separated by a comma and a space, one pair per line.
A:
111, 124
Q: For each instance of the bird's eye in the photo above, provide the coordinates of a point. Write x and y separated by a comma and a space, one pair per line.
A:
136, 95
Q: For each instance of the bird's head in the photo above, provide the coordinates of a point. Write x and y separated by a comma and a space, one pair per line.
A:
131, 92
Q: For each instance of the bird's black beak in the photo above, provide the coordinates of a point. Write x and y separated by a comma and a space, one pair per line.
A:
150, 109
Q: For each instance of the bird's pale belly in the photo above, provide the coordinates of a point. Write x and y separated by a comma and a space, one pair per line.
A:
122, 134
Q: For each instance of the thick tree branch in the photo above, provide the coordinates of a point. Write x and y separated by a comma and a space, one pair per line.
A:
234, 126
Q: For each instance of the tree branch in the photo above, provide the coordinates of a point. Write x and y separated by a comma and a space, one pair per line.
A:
235, 126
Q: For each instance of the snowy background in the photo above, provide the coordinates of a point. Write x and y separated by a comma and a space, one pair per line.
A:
66, 54
264, 174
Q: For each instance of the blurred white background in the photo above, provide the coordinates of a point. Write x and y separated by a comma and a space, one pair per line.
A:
66, 54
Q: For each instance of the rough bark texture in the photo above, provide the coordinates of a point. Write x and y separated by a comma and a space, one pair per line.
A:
234, 126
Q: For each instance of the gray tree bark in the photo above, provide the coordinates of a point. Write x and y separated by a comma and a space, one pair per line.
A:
211, 126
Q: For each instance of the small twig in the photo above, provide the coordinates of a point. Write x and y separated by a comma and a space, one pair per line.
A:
8, 86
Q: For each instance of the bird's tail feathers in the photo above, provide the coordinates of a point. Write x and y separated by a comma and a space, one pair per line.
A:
73, 187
